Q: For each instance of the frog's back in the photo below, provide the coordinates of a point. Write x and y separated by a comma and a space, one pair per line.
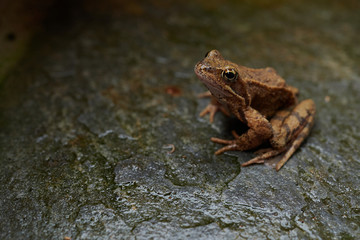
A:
267, 76
268, 91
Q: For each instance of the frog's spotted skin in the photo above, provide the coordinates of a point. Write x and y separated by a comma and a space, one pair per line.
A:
261, 99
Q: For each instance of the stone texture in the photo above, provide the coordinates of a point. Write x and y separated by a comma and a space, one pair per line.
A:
88, 115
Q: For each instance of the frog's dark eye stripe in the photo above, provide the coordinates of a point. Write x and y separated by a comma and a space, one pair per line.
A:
229, 75
207, 54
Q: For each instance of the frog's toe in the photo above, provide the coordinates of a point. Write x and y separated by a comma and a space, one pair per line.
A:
222, 141
262, 151
233, 132
253, 161
265, 154
230, 147
204, 94
211, 109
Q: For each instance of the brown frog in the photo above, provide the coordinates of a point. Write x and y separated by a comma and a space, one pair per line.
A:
262, 100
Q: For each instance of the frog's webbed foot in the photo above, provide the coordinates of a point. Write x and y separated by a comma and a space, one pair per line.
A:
213, 107
264, 154
231, 145
270, 154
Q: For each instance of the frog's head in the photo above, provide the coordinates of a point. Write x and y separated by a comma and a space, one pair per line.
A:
222, 78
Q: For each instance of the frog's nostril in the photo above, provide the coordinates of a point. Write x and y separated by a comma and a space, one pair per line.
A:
204, 68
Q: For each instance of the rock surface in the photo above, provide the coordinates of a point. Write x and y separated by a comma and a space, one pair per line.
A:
90, 115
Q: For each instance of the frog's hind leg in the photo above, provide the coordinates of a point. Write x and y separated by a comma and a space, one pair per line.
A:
263, 154
294, 145
290, 130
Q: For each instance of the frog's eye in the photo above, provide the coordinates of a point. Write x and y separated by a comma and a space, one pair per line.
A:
229, 75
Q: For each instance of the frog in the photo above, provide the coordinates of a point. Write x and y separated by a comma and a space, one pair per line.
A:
261, 99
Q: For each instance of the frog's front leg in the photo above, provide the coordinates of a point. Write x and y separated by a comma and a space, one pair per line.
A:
290, 130
213, 107
259, 131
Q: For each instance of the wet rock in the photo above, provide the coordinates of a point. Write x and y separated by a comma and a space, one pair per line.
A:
88, 116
